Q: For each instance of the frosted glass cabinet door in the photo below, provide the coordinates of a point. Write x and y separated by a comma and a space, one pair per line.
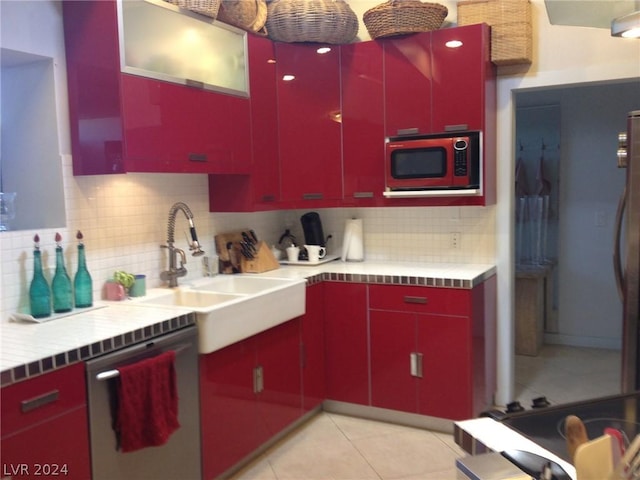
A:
161, 41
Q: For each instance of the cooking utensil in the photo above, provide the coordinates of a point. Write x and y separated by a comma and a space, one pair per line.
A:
595, 460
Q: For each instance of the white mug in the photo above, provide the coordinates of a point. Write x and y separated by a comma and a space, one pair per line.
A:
292, 253
315, 252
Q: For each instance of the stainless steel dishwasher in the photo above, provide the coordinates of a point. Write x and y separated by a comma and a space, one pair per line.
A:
179, 458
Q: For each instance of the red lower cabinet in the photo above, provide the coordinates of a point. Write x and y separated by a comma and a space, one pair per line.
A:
45, 428
314, 389
421, 363
346, 342
249, 391
431, 349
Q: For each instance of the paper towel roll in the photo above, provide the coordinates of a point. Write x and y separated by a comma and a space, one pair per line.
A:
353, 241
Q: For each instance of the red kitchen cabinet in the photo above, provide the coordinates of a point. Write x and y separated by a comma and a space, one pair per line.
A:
346, 343
34, 412
407, 84
127, 123
309, 125
462, 78
280, 385
231, 426
249, 391
313, 354
431, 349
260, 190
361, 68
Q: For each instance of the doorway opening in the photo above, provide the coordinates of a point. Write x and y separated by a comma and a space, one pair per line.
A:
568, 314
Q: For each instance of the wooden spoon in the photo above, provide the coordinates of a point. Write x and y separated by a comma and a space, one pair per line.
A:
575, 433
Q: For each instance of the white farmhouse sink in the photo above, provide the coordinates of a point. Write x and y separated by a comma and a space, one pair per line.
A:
230, 308
241, 284
195, 299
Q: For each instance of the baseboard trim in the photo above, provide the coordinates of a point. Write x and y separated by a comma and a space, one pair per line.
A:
579, 341
390, 416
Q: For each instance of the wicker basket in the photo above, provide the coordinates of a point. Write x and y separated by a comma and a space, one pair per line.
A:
511, 31
400, 17
203, 7
322, 21
250, 15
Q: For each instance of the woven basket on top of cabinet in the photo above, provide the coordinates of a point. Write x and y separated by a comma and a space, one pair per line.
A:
250, 15
511, 30
401, 17
321, 21
204, 7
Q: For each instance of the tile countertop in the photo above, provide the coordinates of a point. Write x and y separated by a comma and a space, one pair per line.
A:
451, 275
29, 349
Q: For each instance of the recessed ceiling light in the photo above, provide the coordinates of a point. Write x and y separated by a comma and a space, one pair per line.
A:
288, 77
323, 50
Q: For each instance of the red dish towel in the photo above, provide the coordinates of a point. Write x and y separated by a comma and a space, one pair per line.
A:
147, 402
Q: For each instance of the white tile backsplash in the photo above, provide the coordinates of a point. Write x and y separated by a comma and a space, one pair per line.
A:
124, 222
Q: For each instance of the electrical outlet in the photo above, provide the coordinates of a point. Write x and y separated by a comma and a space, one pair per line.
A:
455, 239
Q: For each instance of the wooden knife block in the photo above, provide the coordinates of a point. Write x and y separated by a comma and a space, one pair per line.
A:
262, 261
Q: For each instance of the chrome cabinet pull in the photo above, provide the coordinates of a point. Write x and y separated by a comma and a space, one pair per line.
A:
312, 196
408, 131
411, 299
415, 361
456, 128
258, 379
198, 157
39, 401
363, 195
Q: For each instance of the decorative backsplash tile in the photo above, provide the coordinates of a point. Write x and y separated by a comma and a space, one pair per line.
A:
124, 222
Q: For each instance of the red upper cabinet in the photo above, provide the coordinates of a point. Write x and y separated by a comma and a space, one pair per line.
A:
308, 88
361, 72
461, 74
260, 190
407, 84
130, 123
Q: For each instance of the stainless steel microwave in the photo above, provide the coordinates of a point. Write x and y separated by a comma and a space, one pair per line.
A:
429, 165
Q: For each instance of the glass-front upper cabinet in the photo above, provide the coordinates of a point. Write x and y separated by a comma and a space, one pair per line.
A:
199, 51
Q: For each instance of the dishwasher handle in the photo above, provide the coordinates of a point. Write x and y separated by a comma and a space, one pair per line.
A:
106, 375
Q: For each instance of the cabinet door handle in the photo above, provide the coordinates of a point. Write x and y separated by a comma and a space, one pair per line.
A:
258, 379
415, 360
408, 131
312, 196
198, 157
362, 194
194, 83
412, 299
456, 128
269, 198
39, 401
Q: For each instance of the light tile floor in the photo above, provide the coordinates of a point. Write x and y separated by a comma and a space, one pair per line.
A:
337, 447
567, 374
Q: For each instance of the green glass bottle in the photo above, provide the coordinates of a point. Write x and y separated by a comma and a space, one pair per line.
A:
39, 291
61, 284
82, 284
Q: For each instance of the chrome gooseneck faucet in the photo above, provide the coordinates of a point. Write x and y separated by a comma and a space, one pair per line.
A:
174, 272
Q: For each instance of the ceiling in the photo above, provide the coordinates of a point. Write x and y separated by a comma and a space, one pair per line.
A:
588, 13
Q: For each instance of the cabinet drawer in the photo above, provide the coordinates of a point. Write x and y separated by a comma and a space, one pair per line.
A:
32, 401
443, 301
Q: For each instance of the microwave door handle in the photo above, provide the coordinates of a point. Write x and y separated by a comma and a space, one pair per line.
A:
617, 261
